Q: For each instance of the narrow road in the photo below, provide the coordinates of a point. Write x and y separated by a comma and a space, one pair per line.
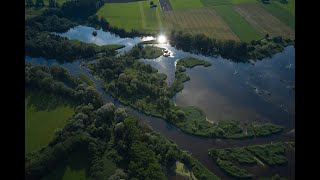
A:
165, 5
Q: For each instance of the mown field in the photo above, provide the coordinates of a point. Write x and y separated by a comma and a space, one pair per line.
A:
43, 115
263, 21
185, 4
281, 12
132, 15
200, 20
237, 23
227, 2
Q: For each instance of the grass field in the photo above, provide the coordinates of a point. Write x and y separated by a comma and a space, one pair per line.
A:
201, 20
227, 2
290, 7
237, 23
263, 21
185, 4
281, 13
132, 15
40, 124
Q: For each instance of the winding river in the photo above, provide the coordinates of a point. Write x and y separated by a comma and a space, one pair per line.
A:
259, 91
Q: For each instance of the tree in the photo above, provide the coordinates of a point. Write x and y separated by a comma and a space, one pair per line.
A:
29, 3
39, 3
52, 3
120, 114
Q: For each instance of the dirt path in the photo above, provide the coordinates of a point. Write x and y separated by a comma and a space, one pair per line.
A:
165, 5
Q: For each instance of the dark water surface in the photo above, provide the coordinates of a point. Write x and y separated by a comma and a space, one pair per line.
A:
224, 90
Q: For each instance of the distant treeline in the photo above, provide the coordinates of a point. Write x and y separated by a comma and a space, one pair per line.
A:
237, 51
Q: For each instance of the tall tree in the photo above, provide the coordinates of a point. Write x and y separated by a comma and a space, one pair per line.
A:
52, 3
29, 3
39, 3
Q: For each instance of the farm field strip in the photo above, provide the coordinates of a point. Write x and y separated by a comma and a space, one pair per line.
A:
237, 23
280, 13
200, 20
227, 2
263, 21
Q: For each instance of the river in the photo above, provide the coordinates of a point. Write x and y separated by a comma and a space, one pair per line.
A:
261, 91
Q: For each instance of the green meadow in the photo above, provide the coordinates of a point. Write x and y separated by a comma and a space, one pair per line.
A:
185, 4
43, 115
132, 15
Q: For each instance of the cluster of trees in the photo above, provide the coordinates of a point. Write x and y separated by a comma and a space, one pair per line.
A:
236, 51
40, 3
58, 81
102, 131
80, 9
136, 84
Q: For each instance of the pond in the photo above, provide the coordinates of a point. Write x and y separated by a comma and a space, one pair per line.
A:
263, 91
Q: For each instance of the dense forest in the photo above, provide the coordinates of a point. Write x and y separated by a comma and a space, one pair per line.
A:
102, 130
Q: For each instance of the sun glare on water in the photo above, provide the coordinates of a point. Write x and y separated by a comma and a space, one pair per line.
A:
162, 39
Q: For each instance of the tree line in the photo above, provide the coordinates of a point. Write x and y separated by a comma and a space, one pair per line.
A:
230, 49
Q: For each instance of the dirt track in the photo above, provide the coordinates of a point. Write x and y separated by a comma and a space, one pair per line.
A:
165, 5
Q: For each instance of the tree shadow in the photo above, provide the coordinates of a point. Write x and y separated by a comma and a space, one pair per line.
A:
42, 101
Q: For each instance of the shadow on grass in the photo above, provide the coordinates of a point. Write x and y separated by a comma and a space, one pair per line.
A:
77, 162
42, 101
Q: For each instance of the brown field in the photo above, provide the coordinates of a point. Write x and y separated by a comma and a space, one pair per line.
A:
263, 21
200, 20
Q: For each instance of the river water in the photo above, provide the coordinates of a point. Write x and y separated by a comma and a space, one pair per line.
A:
261, 91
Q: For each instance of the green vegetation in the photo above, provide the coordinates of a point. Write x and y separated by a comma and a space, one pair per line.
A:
290, 6
238, 24
263, 129
146, 52
272, 154
180, 74
232, 169
282, 14
132, 16
40, 124
185, 4
215, 2
182, 170
190, 62
108, 137
86, 79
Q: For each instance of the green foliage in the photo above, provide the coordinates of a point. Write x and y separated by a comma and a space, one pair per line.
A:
232, 169
86, 79
190, 62
272, 154
146, 52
